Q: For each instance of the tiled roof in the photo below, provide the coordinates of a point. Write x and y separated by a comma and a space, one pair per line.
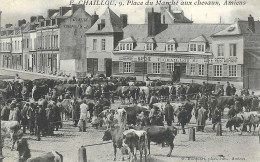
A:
112, 23
230, 30
180, 32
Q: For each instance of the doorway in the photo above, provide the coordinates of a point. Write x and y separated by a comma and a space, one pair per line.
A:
108, 63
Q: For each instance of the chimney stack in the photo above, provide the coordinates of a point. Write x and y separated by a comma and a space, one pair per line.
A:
123, 18
39, 18
75, 7
21, 22
94, 18
154, 23
147, 10
251, 23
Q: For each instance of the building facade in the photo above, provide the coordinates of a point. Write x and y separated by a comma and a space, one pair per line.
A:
50, 45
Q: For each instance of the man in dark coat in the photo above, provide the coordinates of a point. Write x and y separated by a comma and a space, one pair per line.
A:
31, 118
40, 122
57, 116
24, 119
255, 104
216, 117
78, 91
50, 119
169, 113
233, 89
228, 89
91, 110
183, 118
201, 118
5, 112
75, 112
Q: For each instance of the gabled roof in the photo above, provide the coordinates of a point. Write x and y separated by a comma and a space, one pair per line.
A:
112, 23
230, 30
180, 32
200, 38
128, 40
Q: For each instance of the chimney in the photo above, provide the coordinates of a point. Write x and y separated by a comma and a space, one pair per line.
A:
94, 18
51, 12
147, 10
123, 18
33, 18
164, 8
21, 22
251, 23
154, 23
64, 10
75, 7
8, 25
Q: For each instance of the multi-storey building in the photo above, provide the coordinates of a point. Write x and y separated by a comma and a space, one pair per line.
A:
50, 44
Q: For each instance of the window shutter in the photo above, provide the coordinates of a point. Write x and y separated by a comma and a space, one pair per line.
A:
132, 67
149, 68
187, 69
225, 71
163, 68
205, 69
196, 69
239, 71
211, 71
121, 68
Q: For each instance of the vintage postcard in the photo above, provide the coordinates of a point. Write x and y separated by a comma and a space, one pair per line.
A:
129, 80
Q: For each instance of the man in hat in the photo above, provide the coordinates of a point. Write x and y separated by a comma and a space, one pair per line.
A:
228, 89
40, 122
78, 91
24, 119
169, 118
5, 112
31, 117
183, 118
233, 89
153, 100
216, 117
255, 104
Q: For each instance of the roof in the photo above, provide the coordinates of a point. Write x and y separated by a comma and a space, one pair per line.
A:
200, 38
179, 32
230, 30
243, 25
112, 23
128, 40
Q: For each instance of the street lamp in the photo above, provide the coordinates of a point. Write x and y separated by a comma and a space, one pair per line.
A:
1, 100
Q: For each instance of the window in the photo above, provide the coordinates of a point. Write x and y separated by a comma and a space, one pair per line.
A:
149, 46
221, 50
233, 49
193, 47
103, 45
94, 44
192, 69
156, 68
201, 69
127, 46
201, 48
127, 67
217, 70
170, 47
232, 70
18, 45
15, 45
170, 67
121, 46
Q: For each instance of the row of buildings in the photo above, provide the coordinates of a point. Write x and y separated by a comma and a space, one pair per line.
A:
71, 41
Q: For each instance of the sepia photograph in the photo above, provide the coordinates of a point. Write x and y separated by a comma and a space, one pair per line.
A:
130, 80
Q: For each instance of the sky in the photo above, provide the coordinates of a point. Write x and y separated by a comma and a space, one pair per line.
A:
14, 10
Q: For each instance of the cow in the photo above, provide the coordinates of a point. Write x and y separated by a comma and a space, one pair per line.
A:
116, 135
53, 156
121, 117
11, 129
160, 135
136, 140
132, 112
244, 119
108, 117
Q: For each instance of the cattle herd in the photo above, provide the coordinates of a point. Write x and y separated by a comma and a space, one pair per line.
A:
40, 107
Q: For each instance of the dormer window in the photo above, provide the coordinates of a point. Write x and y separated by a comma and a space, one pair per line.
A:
170, 47
201, 47
193, 48
149, 46
126, 46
